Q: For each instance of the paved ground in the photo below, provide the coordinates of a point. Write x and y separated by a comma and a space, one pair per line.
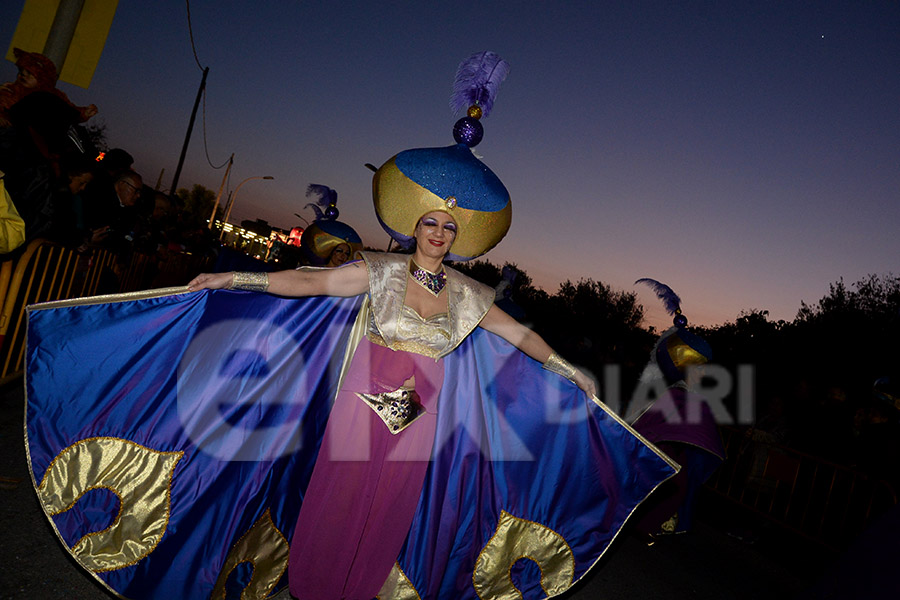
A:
706, 564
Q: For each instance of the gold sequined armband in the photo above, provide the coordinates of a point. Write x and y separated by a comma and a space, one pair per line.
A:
255, 282
561, 366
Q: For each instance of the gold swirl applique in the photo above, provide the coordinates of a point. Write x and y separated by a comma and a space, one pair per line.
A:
264, 547
513, 540
141, 478
397, 586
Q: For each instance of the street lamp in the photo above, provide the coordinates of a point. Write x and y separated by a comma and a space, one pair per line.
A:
234, 197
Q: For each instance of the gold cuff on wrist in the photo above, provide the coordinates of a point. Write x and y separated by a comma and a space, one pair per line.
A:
560, 366
255, 282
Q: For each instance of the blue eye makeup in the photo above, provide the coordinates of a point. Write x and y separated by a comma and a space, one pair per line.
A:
429, 222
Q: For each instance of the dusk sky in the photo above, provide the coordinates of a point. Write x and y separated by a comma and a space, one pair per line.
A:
745, 153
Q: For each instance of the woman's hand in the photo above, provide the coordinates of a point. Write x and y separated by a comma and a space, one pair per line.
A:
585, 382
211, 281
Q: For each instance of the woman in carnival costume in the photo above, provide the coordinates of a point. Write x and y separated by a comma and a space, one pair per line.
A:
450, 443
360, 503
679, 421
328, 242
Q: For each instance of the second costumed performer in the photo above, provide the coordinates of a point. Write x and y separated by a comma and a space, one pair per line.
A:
327, 242
362, 498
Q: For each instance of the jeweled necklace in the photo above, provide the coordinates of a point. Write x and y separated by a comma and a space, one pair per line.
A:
433, 282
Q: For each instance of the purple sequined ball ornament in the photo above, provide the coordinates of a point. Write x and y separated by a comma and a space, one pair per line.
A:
331, 212
468, 131
680, 321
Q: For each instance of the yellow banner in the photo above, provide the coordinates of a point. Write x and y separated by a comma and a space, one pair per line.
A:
87, 44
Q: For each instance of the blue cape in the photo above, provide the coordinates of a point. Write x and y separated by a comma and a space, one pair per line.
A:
171, 439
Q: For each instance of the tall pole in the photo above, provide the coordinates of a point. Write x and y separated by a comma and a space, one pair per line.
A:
187, 138
62, 31
234, 197
212, 217
159, 179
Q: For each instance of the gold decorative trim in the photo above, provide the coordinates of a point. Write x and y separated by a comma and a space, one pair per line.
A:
513, 540
109, 298
266, 549
669, 526
397, 410
656, 451
405, 346
398, 586
640, 437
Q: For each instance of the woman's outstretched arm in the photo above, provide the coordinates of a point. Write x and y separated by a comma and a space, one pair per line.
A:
349, 280
498, 322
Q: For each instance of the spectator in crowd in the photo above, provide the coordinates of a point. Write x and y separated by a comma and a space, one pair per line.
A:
36, 119
109, 166
117, 211
115, 215
37, 73
63, 218
12, 227
155, 230
38, 138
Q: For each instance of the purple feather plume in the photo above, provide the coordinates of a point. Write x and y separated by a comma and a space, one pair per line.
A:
319, 214
670, 299
327, 196
478, 79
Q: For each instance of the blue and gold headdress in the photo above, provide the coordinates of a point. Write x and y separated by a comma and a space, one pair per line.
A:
326, 233
451, 179
677, 349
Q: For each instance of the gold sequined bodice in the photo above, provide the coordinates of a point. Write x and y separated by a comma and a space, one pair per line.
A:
397, 326
430, 337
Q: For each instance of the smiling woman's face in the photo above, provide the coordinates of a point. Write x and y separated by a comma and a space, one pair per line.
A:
435, 233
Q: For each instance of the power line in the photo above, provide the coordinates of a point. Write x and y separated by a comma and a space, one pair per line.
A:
194, 50
191, 33
205, 146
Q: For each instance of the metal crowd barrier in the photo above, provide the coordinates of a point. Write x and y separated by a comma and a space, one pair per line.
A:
821, 501
47, 271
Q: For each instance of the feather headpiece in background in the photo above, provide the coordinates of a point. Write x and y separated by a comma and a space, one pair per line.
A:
327, 199
477, 81
677, 349
671, 301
